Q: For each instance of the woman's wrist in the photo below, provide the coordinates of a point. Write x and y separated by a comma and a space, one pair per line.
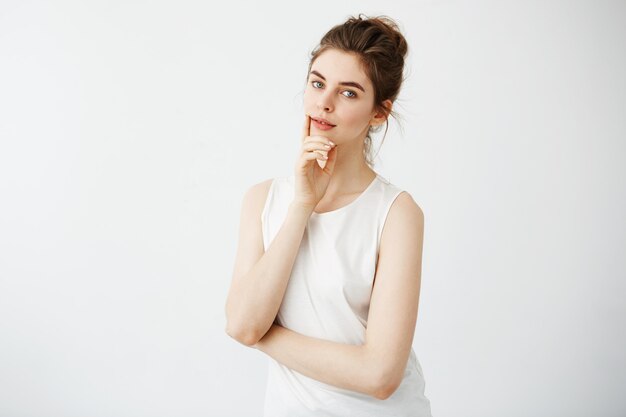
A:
300, 208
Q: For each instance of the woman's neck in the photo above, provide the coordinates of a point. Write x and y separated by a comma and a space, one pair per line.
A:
351, 173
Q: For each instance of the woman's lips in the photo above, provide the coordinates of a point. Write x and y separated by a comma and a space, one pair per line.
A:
321, 126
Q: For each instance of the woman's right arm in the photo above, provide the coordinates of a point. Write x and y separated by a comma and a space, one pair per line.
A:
260, 278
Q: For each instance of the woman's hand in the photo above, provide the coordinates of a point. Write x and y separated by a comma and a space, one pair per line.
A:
314, 167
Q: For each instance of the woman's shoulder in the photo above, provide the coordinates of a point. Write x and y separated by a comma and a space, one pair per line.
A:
405, 209
260, 188
256, 194
402, 204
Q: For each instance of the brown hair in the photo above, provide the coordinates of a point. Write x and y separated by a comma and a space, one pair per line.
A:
381, 48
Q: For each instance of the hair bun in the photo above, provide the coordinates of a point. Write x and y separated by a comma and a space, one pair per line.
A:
402, 45
391, 28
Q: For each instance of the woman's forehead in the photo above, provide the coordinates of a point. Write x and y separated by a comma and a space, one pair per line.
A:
339, 66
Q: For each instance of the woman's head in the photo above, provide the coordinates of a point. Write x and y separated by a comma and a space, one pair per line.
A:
369, 52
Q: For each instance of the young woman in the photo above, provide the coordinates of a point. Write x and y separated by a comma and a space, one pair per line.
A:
328, 268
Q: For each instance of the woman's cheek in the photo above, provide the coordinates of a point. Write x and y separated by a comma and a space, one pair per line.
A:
354, 119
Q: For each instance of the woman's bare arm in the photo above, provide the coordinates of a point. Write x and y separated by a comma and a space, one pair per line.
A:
346, 366
260, 278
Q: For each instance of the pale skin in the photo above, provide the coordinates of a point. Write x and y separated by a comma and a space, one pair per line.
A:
377, 366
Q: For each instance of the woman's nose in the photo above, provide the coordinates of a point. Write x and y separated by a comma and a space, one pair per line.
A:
325, 103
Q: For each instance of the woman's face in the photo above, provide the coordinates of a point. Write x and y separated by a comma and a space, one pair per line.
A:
339, 91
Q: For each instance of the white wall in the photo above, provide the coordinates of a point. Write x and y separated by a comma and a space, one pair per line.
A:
129, 132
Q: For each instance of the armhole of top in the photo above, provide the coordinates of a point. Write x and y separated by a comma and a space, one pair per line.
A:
386, 210
264, 212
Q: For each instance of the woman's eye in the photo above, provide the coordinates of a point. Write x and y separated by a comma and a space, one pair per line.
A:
353, 94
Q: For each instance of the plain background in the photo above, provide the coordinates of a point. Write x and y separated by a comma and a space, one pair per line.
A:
130, 130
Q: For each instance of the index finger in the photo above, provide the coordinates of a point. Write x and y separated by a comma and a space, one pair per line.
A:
306, 129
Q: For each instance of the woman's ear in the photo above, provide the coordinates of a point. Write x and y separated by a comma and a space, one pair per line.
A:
380, 117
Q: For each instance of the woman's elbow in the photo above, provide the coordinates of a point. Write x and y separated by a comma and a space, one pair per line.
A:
245, 337
386, 391
385, 386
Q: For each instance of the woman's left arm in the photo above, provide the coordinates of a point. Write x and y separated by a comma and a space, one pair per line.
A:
338, 364
377, 367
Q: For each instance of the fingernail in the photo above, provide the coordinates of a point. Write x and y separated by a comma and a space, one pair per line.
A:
331, 143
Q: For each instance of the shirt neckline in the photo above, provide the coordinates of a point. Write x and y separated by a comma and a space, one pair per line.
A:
350, 204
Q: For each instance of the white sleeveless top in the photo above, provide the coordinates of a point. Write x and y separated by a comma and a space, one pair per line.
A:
328, 297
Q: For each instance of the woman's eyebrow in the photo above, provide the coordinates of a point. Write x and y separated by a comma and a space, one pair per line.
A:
350, 83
